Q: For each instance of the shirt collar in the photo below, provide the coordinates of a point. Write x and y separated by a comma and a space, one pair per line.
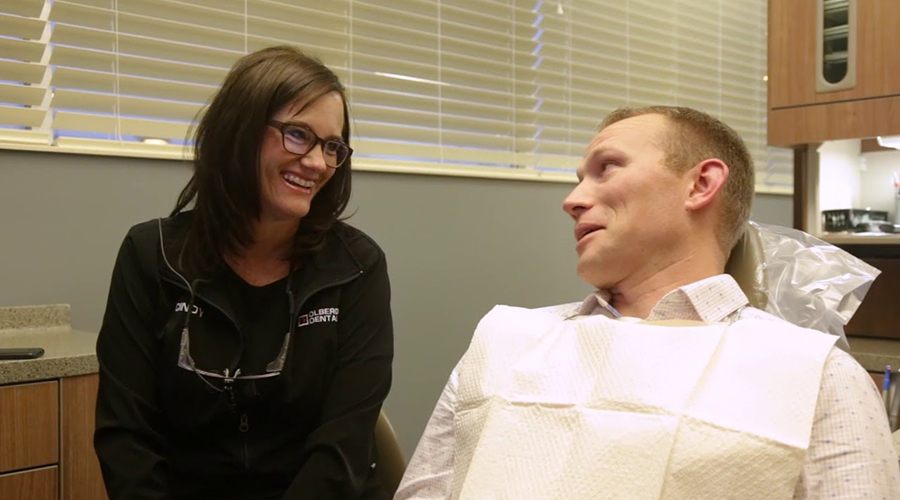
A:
711, 300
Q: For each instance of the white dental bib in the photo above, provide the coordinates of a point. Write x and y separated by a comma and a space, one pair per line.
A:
550, 408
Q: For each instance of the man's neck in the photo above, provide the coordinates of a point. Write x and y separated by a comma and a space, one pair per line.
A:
637, 295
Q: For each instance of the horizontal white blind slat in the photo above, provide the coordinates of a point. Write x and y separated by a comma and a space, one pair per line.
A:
25, 8
136, 107
20, 116
21, 50
28, 28
24, 72
17, 137
22, 95
72, 122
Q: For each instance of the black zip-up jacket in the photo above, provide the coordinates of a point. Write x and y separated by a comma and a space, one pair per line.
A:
162, 431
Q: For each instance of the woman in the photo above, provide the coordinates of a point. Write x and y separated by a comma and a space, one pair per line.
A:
246, 346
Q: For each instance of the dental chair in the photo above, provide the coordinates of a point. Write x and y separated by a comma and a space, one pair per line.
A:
800, 278
744, 265
388, 456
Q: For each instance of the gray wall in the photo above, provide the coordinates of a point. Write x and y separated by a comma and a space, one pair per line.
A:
455, 247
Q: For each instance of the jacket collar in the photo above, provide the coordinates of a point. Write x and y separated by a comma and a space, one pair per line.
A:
332, 262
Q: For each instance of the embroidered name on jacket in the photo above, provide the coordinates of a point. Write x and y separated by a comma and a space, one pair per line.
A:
323, 315
183, 307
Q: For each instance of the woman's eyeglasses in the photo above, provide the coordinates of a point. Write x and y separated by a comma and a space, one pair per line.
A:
300, 140
226, 377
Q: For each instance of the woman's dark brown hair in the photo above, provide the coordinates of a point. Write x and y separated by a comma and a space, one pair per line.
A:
225, 187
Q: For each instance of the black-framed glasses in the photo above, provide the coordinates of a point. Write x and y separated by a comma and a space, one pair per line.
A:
300, 140
226, 376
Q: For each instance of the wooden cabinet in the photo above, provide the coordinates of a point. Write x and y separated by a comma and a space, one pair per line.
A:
798, 112
80, 471
37, 484
46, 440
878, 315
29, 425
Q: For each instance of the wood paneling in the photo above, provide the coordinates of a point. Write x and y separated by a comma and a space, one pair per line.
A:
37, 484
29, 425
792, 53
866, 118
792, 49
81, 477
879, 315
801, 196
872, 146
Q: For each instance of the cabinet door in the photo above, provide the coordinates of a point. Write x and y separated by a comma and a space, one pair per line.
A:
792, 53
29, 425
81, 477
792, 50
878, 314
36, 484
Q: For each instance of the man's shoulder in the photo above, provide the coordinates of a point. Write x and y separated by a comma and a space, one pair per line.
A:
566, 310
752, 314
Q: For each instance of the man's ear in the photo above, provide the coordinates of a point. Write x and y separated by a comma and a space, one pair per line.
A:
707, 180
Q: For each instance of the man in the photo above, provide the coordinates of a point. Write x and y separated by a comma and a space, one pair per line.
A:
558, 403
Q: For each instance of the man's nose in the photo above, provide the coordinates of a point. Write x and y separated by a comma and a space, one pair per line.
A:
577, 202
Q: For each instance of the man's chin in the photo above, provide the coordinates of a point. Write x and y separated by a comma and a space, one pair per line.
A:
590, 273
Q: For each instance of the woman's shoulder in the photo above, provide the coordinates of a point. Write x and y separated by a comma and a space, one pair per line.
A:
360, 245
149, 231
144, 238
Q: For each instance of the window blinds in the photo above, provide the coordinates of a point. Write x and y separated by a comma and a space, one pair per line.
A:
480, 87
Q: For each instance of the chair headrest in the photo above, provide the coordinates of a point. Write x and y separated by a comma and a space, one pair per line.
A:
745, 265
799, 278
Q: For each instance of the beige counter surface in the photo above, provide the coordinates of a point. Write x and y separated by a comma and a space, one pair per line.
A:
874, 354
67, 352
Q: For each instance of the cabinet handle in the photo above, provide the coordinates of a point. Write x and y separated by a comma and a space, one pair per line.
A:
835, 45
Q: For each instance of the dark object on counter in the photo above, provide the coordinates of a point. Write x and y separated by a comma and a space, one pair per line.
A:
849, 219
20, 352
889, 228
873, 227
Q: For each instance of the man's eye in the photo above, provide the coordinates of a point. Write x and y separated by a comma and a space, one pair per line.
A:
601, 167
297, 134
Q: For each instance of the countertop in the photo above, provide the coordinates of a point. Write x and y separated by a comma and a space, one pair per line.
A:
874, 354
67, 352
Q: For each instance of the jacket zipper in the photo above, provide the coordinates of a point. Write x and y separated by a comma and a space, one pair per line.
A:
243, 419
243, 427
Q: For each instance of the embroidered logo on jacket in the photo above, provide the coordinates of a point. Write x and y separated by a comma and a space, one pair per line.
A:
323, 315
183, 307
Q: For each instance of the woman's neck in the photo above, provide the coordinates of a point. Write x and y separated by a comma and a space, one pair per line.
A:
268, 257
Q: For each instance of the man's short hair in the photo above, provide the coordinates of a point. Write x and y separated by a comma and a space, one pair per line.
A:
695, 136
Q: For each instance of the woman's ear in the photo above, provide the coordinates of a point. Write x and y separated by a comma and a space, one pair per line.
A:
707, 181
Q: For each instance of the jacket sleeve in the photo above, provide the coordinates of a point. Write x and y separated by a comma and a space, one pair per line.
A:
128, 437
339, 452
